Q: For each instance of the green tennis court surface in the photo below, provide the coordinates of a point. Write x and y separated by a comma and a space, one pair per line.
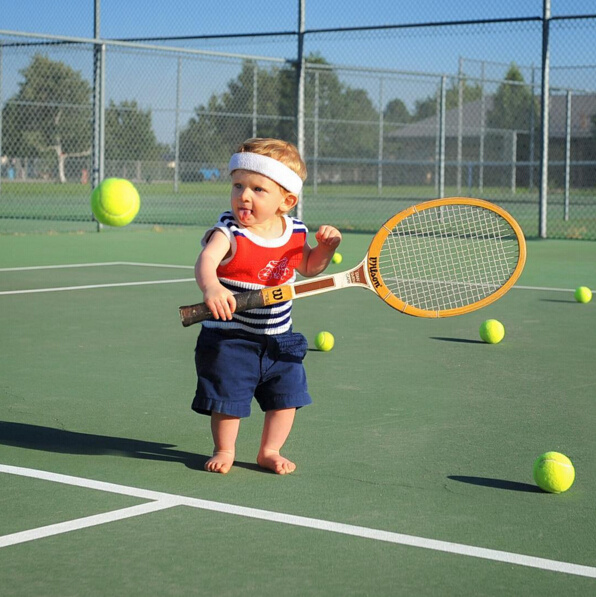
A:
414, 462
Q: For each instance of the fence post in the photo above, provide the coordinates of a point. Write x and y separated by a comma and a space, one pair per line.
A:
567, 153
177, 127
98, 141
380, 152
1, 60
300, 94
255, 92
460, 121
441, 147
316, 137
482, 131
542, 224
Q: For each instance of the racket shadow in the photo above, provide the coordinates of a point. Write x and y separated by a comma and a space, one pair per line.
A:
496, 483
461, 340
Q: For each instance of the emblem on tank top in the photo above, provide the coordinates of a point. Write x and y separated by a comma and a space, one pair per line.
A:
275, 270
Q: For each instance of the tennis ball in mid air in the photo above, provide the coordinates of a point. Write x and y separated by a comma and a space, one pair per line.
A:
337, 258
324, 341
492, 331
553, 472
115, 202
583, 294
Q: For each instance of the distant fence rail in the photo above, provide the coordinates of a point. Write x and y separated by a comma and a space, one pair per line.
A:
375, 140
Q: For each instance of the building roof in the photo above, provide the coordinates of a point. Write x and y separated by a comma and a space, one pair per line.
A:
583, 108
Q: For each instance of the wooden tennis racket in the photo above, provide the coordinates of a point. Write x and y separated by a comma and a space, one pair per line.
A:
440, 258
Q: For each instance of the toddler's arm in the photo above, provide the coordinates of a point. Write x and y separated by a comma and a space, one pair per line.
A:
219, 299
315, 260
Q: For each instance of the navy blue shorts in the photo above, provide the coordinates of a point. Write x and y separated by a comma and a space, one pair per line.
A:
234, 366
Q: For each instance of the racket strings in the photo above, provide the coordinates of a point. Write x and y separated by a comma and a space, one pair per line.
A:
448, 257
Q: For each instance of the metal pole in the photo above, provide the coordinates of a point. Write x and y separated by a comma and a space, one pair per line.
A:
532, 130
442, 111
300, 94
316, 137
98, 148
460, 121
482, 132
513, 161
567, 154
1, 60
177, 127
255, 77
545, 85
380, 152
437, 140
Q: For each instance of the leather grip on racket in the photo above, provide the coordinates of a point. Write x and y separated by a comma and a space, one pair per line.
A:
253, 299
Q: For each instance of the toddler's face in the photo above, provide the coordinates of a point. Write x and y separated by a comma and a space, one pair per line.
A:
256, 199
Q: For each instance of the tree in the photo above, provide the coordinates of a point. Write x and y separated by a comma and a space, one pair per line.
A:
218, 127
129, 133
50, 114
513, 104
344, 114
428, 107
397, 112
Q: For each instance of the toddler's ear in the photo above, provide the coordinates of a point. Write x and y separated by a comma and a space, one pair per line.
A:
289, 202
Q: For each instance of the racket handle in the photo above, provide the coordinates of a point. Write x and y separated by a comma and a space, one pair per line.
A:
253, 299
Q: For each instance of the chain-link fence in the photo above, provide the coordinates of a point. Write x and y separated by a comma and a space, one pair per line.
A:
376, 138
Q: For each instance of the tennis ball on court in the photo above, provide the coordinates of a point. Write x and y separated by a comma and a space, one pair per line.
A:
583, 294
553, 472
492, 331
337, 258
115, 202
324, 341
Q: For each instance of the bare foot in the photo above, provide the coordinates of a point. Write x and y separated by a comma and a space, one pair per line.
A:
220, 462
274, 461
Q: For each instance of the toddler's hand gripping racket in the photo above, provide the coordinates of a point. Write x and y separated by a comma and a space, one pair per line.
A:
440, 258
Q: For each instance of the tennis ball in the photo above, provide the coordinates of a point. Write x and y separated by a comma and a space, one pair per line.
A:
115, 202
583, 294
492, 331
553, 472
337, 258
324, 341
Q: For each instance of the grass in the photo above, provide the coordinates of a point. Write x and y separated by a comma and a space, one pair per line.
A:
43, 206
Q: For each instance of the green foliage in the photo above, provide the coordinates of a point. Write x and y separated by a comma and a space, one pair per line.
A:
51, 111
428, 107
129, 133
513, 104
218, 127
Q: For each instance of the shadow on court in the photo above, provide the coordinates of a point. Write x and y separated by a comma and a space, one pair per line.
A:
496, 483
49, 439
462, 340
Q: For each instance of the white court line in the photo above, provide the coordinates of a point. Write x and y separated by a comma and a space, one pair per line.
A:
166, 500
155, 265
104, 264
83, 523
92, 286
545, 288
89, 286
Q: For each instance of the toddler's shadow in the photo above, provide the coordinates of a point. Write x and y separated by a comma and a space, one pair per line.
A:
61, 441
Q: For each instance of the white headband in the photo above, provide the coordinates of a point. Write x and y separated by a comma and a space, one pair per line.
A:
268, 167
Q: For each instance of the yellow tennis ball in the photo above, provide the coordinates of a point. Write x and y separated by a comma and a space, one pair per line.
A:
115, 202
492, 331
583, 294
553, 472
324, 341
337, 258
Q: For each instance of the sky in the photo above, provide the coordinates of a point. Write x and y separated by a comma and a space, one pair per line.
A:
434, 50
